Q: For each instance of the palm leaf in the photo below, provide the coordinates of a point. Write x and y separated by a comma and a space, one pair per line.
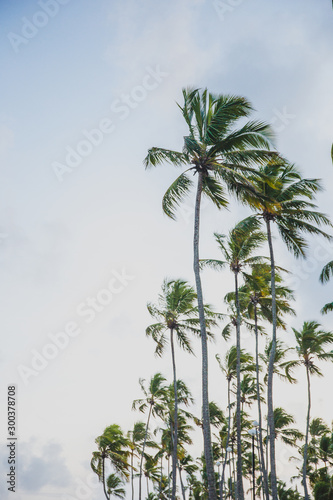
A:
157, 156
175, 194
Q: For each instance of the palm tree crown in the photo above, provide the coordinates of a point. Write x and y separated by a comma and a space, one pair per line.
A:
215, 148
177, 311
286, 199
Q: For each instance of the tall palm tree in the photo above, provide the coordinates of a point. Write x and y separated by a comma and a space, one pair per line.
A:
230, 368
286, 199
112, 445
135, 440
151, 470
187, 465
220, 154
238, 249
255, 296
311, 344
318, 431
177, 314
155, 401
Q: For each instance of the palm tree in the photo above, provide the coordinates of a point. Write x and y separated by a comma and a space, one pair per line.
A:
248, 390
177, 314
244, 239
323, 489
220, 155
151, 470
255, 295
287, 434
115, 486
311, 343
155, 400
187, 465
281, 353
287, 493
112, 445
135, 440
318, 445
229, 368
184, 397
286, 200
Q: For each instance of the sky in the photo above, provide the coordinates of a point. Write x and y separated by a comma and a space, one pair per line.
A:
86, 89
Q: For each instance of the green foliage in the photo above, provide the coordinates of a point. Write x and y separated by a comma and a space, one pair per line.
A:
225, 154
287, 199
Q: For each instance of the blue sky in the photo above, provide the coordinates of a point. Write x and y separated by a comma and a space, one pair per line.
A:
65, 236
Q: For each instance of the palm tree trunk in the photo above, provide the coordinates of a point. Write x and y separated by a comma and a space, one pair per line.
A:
104, 486
306, 494
233, 474
175, 430
230, 479
239, 486
267, 447
181, 482
161, 476
227, 443
270, 412
132, 482
205, 401
263, 468
143, 450
168, 476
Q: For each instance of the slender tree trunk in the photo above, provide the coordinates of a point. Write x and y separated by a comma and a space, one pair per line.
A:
230, 478
227, 443
205, 400
175, 429
168, 476
261, 490
161, 476
104, 485
261, 446
270, 412
143, 450
233, 474
267, 447
239, 486
181, 482
305, 458
132, 482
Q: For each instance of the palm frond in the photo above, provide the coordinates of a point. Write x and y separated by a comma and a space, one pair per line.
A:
175, 194
326, 272
158, 156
